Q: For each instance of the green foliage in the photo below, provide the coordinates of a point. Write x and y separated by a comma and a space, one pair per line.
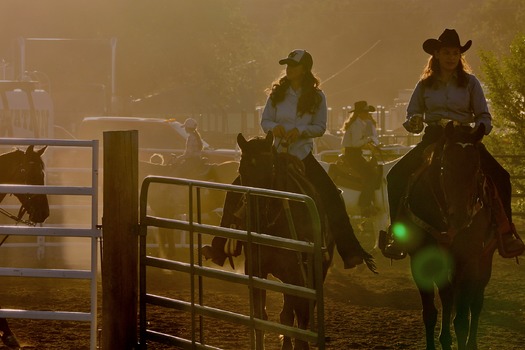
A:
504, 76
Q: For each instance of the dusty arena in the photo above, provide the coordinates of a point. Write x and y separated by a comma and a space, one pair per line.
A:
362, 310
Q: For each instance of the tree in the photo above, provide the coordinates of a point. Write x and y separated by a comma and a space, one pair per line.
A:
504, 76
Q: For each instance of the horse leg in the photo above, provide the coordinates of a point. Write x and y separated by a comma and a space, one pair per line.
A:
161, 242
259, 308
8, 337
475, 312
287, 318
430, 312
462, 319
259, 304
446, 295
303, 320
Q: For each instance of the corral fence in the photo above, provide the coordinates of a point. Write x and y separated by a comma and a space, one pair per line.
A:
194, 268
90, 232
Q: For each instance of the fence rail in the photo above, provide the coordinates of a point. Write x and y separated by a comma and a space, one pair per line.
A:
197, 271
93, 233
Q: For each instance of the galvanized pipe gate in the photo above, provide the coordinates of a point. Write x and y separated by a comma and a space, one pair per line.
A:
90, 232
196, 271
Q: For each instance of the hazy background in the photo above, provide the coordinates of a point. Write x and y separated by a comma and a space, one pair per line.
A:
196, 56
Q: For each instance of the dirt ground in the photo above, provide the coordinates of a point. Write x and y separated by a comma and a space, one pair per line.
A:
362, 310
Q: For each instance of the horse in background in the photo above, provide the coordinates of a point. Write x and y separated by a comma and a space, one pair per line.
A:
261, 167
23, 168
446, 227
350, 185
172, 201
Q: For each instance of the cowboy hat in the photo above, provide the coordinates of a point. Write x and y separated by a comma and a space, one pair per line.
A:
449, 38
362, 106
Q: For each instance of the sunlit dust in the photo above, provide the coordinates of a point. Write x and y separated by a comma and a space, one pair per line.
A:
431, 267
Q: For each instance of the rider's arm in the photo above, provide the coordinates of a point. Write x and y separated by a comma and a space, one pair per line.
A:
415, 110
317, 126
416, 105
268, 119
479, 105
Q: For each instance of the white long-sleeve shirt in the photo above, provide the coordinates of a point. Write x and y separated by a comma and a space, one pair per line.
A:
450, 101
285, 113
359, 133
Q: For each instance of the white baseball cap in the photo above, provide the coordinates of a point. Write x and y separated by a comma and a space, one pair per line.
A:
190, 123
298, 56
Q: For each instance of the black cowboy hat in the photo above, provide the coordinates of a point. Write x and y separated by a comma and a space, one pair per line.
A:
362, 106
449, 38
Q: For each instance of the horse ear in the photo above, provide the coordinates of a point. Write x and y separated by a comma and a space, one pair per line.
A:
241, 141
30, 149
269, 138
449, 129
41, 151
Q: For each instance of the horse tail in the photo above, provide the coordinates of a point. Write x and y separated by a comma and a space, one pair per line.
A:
369, 261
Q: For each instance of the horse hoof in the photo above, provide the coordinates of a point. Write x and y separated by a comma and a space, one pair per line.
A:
10, 341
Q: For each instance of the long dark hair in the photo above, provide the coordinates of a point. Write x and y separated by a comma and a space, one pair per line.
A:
432, 69
352, 119
310, 99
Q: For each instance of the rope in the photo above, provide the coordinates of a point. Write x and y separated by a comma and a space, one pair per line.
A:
16, 219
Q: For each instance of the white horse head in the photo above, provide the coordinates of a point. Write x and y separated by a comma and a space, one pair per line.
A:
380, 220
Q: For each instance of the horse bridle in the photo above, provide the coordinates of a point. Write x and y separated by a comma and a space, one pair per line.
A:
476, 198
21, 170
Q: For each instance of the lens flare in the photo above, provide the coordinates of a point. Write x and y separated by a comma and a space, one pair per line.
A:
431, 267
400, 232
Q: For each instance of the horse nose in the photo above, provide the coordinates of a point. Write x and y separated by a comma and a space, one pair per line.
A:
40, 211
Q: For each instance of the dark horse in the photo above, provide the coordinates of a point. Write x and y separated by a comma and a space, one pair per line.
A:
449, 235
261, 167
23, 168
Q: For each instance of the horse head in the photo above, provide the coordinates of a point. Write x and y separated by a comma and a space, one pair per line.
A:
27, 169
257, 160
37, 205
460, 176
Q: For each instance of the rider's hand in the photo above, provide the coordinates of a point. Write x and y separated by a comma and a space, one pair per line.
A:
279, 131
292, 135
414, 124
374, 140
487, 123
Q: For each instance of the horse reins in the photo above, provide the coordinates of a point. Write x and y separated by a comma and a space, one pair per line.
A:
22, 211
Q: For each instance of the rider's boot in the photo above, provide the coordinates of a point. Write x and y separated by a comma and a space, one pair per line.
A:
389, 246
510, 243
10, 341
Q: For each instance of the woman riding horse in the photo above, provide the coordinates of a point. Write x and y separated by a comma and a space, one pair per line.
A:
296, 113
446, 221
447, 91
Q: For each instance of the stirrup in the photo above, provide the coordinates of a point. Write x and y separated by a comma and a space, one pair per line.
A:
10, 341
502, 248
388, 247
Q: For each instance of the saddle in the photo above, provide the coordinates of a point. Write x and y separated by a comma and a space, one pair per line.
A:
345, 175
500, 223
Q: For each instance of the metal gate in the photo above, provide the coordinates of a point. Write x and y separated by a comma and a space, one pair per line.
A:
194, 268
90, 232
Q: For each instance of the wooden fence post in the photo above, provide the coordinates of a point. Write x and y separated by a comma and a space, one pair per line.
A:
120, 241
